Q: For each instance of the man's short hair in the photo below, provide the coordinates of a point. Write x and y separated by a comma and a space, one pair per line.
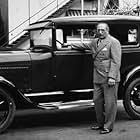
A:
107, 26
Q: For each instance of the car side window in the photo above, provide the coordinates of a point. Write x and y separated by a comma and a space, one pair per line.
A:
59, 38
127, 34
132, 35
80, 35
74, 35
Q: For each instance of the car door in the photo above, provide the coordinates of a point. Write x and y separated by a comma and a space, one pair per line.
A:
41, 58
73, 70
41, 71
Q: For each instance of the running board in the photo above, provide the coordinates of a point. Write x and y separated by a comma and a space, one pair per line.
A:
65, 105
55, 93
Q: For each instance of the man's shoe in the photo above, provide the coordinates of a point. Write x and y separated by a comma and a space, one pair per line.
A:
105, 131
96, 127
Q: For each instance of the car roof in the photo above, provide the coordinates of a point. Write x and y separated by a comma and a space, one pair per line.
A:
83, 19
95, 18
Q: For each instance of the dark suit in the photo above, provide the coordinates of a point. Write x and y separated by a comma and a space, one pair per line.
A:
106, 64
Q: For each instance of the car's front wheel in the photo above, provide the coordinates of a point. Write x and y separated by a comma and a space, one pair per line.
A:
132, 99
7, 109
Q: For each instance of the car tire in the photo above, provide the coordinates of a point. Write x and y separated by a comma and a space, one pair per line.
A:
7, 110
132, 99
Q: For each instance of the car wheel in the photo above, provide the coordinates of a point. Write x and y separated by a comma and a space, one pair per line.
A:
131, 100
7, 109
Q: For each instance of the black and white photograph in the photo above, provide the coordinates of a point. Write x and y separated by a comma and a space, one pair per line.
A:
69, 69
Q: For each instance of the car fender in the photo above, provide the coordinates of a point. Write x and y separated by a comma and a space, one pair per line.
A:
131, 74
17, 95
3, 80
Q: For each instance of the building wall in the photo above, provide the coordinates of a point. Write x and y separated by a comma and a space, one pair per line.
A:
3, 21
21, 13
88, 4
18, 15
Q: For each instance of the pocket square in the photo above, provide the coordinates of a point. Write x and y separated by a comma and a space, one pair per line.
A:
104, 49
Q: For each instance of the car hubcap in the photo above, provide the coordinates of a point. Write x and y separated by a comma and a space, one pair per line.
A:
135, 98
4, 108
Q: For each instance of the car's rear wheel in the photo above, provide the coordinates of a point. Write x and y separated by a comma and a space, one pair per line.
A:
132, 99
7, 109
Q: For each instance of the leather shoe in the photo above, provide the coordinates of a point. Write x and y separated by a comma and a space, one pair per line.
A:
96, 127
105, 131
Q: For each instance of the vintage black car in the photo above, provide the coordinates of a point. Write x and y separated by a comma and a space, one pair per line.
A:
49, 75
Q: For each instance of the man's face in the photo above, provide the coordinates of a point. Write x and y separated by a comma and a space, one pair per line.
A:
102, 30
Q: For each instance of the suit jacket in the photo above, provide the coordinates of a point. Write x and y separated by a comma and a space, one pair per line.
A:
108, 60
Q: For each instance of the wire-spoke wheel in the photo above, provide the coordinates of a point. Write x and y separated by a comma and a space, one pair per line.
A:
132, 99
7, 109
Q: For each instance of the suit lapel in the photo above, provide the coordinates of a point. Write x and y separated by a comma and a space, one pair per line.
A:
95, 46
103, 43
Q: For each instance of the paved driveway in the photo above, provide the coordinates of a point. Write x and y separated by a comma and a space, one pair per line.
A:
68, 125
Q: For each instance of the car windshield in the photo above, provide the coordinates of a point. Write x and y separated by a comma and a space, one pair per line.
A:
41, 37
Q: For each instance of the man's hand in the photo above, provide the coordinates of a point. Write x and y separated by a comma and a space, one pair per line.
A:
66, 45
111, 82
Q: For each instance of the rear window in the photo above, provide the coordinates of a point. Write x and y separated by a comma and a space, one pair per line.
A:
127, 34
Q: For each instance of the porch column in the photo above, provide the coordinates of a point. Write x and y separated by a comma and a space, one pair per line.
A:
102, 5
82, 13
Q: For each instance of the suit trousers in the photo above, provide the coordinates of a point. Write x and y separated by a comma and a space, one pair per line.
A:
105, 99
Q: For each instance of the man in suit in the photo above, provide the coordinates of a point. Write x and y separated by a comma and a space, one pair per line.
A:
106, 52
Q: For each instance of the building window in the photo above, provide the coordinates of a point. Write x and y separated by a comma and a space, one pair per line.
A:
112, 4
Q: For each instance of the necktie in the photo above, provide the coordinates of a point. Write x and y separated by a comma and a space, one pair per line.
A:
99, 41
